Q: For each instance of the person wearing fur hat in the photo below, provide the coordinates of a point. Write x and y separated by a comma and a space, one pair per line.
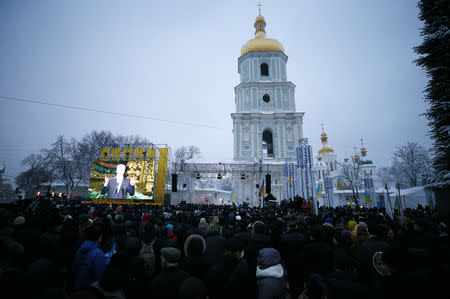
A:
270, 275
195, 262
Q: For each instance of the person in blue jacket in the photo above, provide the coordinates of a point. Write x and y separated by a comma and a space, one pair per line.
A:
89, 262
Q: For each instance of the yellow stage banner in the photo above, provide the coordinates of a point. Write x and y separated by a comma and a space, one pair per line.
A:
127, 152
151, 152
105, 154
161, 174
139, 152
116, 154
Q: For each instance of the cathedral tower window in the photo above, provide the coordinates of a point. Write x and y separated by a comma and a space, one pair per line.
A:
264, 69
266, 98
267, 144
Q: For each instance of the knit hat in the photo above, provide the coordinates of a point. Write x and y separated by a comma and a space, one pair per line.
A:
171, 255
351, 227
169, 227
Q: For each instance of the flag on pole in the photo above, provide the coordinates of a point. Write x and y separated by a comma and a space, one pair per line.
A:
349, 198
339, 183
261, 191
367, 197
396, 204
232, 195
319, 190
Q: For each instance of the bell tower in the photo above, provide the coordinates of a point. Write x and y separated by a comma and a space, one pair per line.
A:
265, 125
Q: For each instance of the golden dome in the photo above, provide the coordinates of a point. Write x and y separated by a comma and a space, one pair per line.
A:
326, 150
260, 42
363, 151
260, 18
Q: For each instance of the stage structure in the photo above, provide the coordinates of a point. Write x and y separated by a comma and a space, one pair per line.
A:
146, 166
247, 173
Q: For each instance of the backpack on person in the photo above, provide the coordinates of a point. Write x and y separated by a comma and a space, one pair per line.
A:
148, 255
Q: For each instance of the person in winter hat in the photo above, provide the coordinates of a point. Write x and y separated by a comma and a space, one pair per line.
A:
270, 274
351, 227
203, 225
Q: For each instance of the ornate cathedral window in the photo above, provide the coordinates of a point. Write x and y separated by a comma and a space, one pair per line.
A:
264, 69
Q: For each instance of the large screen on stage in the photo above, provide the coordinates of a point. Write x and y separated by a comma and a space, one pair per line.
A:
121, 176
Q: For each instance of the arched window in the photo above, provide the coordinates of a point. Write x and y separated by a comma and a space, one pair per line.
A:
264, 69
267, 144
266, 98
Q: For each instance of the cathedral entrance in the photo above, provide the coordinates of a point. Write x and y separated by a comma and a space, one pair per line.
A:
267, 144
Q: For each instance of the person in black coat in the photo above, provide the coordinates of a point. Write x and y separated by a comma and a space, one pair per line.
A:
291, 248
195, 262
215, 245
367, 249
270, 275
318, 254
229, 277
167, 284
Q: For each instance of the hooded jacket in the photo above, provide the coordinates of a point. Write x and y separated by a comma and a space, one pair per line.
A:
270, 274
88, 265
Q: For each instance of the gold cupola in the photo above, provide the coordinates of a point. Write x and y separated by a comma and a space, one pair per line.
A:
363, 149
325, 148
260, 42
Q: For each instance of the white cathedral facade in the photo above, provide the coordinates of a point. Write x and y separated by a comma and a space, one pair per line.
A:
266, 125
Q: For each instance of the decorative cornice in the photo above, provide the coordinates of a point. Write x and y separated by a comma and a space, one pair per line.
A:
267, 116
263, 54
264, 84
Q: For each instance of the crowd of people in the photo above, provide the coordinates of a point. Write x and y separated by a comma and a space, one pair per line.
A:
59, 249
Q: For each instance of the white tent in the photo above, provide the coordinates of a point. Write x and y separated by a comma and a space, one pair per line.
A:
412, 197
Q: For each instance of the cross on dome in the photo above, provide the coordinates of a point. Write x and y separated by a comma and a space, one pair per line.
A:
259, 7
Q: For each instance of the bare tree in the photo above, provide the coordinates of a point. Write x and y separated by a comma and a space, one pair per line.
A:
65, 163
37, 173
410, 162
70, 161
385, 175
90, 146
350, 172
183, 154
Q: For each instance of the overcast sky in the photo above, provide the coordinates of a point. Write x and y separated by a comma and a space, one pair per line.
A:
352, 63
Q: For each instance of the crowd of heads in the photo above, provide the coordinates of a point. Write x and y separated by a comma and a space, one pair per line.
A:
60, 249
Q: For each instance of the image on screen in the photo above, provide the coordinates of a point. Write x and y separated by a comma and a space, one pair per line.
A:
143, 172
